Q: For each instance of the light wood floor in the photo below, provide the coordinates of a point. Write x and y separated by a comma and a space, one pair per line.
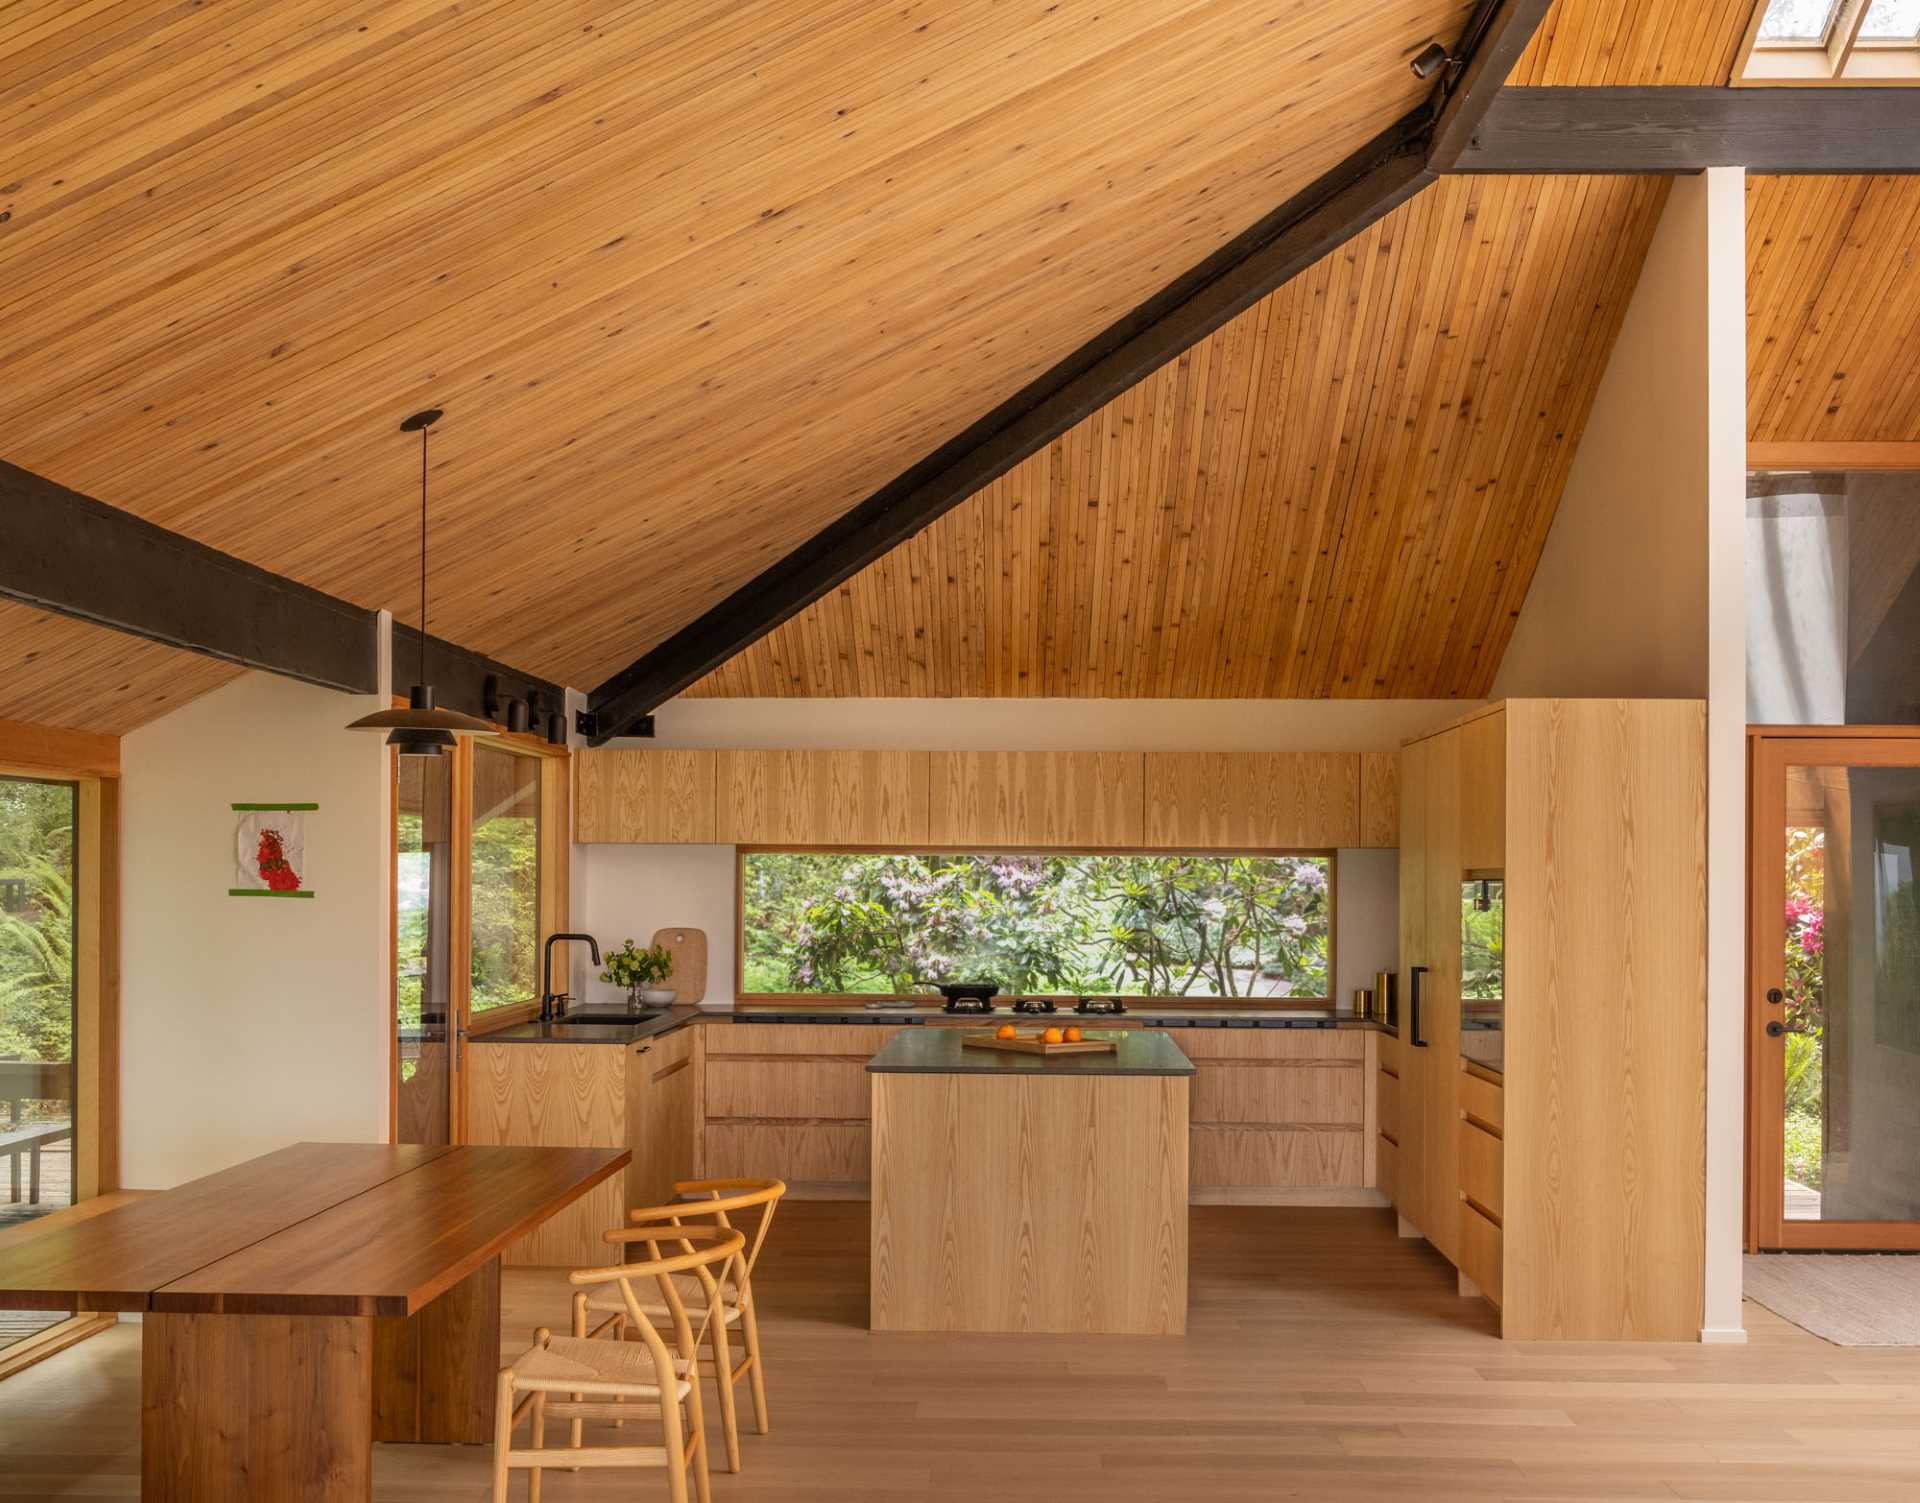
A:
1326, 1360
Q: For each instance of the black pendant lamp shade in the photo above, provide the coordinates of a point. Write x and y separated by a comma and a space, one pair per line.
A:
421, 730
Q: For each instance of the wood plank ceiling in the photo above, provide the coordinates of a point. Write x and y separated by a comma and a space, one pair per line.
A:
1625, 42
1833, 309
689, 278
1343, 493
58, 671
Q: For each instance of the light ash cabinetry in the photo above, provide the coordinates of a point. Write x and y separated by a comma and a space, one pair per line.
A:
1570, 1187
1060, 800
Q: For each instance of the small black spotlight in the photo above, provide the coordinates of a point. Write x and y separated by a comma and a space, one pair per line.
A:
1429, 60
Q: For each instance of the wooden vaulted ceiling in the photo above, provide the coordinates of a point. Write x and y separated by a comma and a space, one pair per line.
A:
1342, 493
689, 278
1833, 309
1596, 42
58, 671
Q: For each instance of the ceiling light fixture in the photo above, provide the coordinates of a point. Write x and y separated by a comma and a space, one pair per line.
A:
420, 730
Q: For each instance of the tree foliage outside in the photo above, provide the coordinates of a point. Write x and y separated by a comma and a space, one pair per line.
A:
36, 926
1483, 944
1157, 926
506, 911
1805, 1004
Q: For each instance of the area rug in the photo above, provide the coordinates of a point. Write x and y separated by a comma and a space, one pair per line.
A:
1851, 1299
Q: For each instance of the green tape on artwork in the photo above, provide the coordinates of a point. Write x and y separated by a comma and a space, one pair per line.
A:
265, 892
272, 808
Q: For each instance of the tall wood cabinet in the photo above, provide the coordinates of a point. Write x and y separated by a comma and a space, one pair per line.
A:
1570, 1187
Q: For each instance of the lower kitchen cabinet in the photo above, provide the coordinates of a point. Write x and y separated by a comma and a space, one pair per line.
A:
791, 1101
640, 1096
1278, 1113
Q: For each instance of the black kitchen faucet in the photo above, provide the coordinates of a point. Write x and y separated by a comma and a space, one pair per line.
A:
548, 996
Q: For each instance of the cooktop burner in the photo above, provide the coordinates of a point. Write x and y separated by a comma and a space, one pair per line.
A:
968, 1005
1100, 1005
1034, 1004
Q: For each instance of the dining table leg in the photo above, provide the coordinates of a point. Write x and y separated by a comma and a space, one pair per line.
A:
266, 1408
434, 1371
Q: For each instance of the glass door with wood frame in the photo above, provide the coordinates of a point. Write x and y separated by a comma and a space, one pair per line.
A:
1834, 1009
424, 891
39, 829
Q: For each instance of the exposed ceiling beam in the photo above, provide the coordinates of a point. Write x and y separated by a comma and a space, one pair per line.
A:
1660, 130
64, 552
1496, 36
1369, 184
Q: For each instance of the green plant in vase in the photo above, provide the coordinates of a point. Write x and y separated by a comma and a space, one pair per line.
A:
640, 972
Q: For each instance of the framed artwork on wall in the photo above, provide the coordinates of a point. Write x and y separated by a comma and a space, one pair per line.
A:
270, 851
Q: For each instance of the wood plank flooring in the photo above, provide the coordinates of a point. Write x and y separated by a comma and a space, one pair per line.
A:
1325, 1359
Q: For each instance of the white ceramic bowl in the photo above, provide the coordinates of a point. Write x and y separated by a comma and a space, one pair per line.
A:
657, 996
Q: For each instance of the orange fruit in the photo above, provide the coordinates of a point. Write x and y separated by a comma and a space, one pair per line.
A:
1006, 1031
1052, 1036
1073, 1033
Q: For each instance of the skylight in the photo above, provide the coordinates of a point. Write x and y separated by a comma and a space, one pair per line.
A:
1798, 23
1815, 42
1891, 21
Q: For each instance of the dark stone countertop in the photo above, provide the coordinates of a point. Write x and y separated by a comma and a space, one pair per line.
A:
593, 1032
938, 1051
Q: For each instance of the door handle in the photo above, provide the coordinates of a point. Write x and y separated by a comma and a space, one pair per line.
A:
459, 1037
1413, 1002
1776, 1028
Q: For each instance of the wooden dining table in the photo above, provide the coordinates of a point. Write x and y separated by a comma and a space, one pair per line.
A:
302, 1305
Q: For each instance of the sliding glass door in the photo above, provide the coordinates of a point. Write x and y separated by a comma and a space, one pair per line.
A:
1834, 1030
39, 826
423, 921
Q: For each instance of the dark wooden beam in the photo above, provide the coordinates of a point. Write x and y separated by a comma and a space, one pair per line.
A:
67, 553
460, 679
1665, 130
1496, 35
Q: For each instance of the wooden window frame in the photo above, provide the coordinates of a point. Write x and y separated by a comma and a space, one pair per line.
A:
91, 761
838, 1001
556, 849
1842, 59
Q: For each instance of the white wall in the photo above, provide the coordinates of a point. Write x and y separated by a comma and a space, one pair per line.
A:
250, 1023
1052, 724
1618, 604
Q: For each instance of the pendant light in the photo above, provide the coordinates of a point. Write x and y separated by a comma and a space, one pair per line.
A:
420, 730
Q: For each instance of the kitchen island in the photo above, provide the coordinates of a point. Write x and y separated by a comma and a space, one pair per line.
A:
1016, 1193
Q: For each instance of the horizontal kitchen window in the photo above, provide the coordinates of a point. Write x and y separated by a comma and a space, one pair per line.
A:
852, 923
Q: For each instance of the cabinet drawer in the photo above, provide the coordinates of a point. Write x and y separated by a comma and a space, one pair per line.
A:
1275, 1093
1482, 1171
808, 1153
1387, 1103
851, 1039
1388, 1045
1276, 1158
1386, 1167
1271, 1043
1480, 1255
1483, 1099
761, 1088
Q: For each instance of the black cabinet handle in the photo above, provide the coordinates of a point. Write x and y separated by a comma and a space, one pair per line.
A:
1778, 1029
1413, 1022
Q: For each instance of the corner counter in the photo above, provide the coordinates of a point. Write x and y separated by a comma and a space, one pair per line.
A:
1017, 1193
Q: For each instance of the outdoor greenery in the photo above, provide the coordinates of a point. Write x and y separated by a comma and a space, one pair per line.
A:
506, 910
1483, 957
1805, 1004
36, 922
1163, 926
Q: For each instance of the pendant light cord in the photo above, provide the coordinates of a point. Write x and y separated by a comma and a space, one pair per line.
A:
423, 555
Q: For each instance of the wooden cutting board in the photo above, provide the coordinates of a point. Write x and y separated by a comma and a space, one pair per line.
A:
689, 978
1030, 1044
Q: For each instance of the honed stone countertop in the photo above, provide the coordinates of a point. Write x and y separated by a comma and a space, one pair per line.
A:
939, 1051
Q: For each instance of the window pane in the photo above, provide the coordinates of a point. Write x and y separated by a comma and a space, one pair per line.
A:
1797, 22
1164, 926
1892, 21
506, 878
422, 879
38, 825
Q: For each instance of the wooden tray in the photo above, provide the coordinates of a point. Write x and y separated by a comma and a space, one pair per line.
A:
1031, 1044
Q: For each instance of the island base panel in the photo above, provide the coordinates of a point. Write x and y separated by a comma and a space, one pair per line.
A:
1030, 1204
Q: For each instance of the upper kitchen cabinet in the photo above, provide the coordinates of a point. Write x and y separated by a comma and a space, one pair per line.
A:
1483, 793
1036, 799
644, 796
1253, 800
821, 797
1379, 799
